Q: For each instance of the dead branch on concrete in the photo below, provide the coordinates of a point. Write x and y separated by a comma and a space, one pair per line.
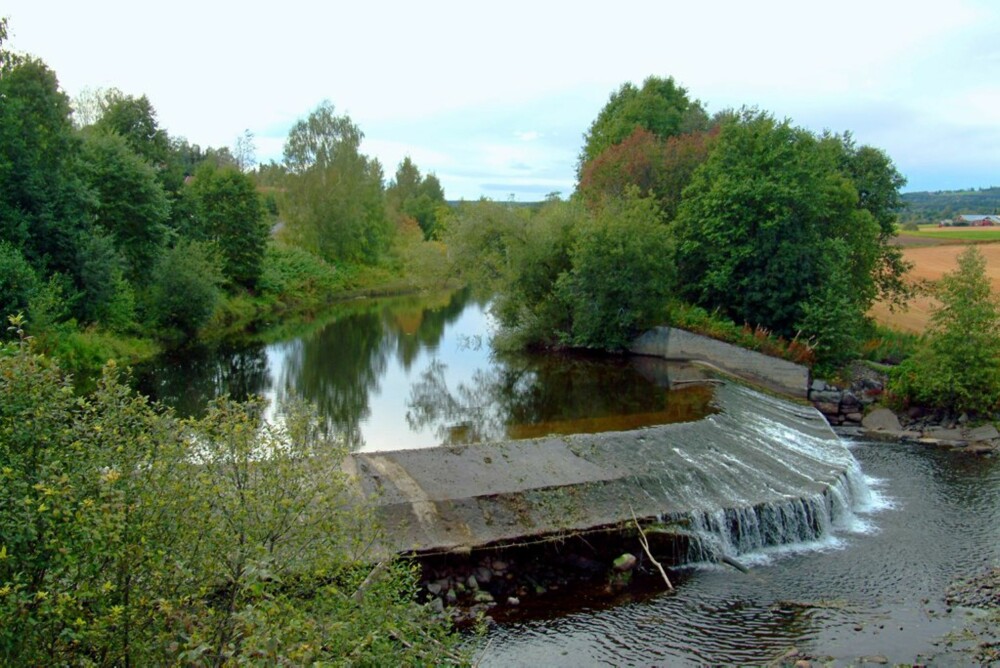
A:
645, 546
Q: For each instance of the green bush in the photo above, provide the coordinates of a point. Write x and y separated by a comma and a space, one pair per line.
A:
184, 289
18, 281
130, 537
957, 365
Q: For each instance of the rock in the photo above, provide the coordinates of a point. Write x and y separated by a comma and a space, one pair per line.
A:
854, 417
985, 433
818, 385
963, 418
484, 575
882, 419
803, 663
944, 434
513, 600
437, 605
625, 563
879, 659
483, 597
451, 597
915, 412
434, 588
827, 397
499, 565
472, 583
827, 408
981, 448
849, 399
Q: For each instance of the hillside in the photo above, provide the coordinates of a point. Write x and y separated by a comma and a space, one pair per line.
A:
935, 206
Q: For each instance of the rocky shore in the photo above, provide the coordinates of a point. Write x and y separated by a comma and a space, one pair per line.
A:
857, 406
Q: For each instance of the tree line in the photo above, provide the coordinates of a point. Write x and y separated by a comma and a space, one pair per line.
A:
108, 223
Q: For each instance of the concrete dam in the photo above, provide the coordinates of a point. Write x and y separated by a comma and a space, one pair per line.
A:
757, 471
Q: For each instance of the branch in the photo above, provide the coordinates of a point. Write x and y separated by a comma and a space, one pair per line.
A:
645, 546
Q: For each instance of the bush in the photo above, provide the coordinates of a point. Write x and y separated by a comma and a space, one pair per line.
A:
957, 365
184, 289
18, 281
130, 537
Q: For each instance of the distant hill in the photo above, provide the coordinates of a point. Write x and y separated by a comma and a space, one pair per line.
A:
931, 207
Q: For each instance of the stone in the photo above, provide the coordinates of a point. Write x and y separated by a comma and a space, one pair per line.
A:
484, 575
849, 399
513, 600
499, 565
879, 659
854, 417
827, 408
985, 433
915, 412
434, 588
882, 419
803, 663
944, 434
483, 597
818, 385
472, 583
437, 605
963, 418
625, 563
827, 396
451, 597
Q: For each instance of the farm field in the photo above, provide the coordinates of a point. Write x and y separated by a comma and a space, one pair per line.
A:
948, 235
931, 262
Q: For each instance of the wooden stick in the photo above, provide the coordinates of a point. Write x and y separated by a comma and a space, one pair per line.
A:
375, 574
645, 546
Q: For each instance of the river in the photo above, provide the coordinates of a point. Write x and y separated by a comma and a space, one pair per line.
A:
418, 372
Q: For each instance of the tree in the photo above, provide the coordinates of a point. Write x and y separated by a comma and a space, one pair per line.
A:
957, 366
228, 210
245, 152
43, 203
660, 106
132, 205
755, 226
658, 167
335, 198
18, 280
184, 289
417, 197
134, 120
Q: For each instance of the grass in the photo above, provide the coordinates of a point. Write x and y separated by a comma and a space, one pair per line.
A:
952, 234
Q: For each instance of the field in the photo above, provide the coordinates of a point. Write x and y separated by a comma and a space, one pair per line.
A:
949, 235
931, 262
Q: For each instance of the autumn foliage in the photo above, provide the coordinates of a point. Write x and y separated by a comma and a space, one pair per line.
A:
657, 166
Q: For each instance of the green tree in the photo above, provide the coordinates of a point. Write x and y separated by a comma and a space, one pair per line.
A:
660, 106
228, 210
133, 206
134, 120
415, 196
335, 200
43, 203
957, 366
755, 226
184, 289
622, 274
18, 280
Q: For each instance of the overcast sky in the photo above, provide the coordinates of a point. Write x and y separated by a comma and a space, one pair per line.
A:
494, 98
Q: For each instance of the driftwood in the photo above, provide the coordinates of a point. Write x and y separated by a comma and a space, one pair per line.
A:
725, 559
645, 546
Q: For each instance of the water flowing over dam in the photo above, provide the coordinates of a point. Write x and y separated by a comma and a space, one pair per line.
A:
761, 471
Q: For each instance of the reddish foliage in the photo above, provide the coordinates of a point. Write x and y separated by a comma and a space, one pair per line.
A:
661, 167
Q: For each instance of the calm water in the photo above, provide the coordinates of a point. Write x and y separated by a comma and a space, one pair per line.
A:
874, 591
418, 372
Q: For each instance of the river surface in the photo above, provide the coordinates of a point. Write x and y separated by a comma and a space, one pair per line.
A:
418, 372
875, 591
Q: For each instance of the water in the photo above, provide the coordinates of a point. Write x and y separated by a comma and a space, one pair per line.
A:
417, 372
867, 588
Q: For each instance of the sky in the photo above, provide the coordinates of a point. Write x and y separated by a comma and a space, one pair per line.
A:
494, 98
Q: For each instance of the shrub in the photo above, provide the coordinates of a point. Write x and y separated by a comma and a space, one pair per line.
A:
184, 290
957, 365
18, 281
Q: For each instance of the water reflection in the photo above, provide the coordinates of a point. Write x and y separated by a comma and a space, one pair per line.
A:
418, 372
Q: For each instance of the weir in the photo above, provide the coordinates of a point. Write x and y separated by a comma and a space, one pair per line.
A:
761, 471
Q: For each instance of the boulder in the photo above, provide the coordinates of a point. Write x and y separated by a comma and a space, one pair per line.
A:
827, 408
882, 419
855, 417
985, 433
826, 396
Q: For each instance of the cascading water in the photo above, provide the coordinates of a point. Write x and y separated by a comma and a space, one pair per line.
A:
812, 484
